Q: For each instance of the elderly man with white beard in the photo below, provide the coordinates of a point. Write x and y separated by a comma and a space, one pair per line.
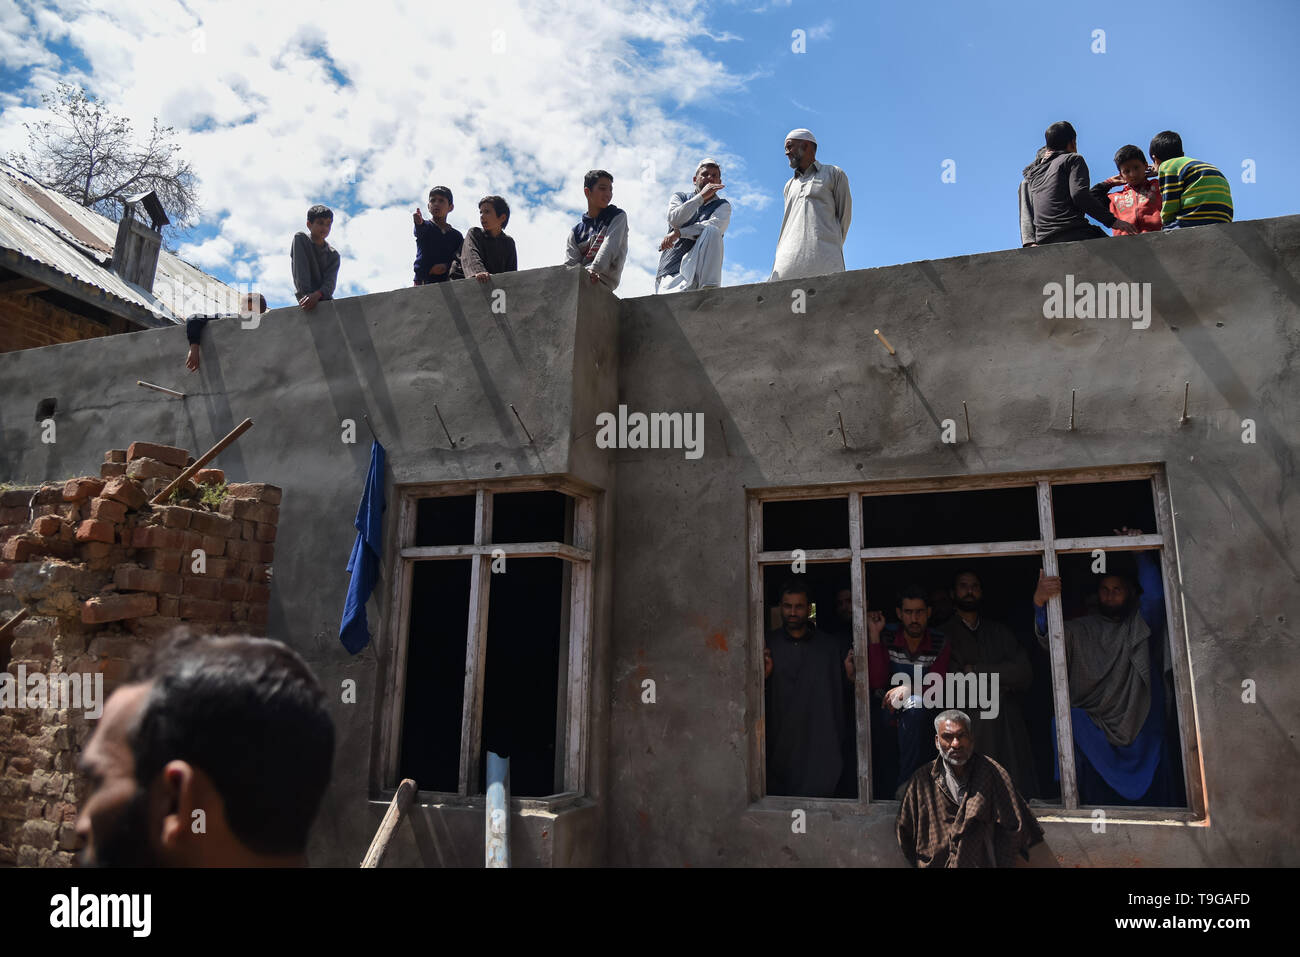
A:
961, 809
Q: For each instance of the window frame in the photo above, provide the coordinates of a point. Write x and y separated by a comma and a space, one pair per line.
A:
574, 694
1048, 547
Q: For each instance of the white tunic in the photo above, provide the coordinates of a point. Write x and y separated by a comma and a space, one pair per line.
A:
818, 208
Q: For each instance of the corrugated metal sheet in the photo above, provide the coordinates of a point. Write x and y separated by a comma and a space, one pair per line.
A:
47, 227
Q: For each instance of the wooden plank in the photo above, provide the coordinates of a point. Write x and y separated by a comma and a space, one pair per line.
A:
21, 287
519, 549
525, 483
399, 616
471, 727
811, 555
202, 460
861, 686
905, 552
402, 800
1120, 472
1056, 637
1109, 543
581, 647
758, 639
1179, 649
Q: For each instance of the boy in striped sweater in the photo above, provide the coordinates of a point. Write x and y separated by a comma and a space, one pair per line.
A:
1192, 192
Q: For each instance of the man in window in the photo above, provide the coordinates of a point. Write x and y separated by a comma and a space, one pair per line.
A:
1114, 661
984, 647
961, 809
806, 719
910, 646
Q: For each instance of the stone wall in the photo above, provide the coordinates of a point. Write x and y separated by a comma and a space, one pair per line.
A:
102, 574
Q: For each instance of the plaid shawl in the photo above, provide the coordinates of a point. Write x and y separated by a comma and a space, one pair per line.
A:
990, 826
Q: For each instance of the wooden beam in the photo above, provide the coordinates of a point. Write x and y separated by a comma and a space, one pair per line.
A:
22, 286
1056, 651
402, 800
511, 550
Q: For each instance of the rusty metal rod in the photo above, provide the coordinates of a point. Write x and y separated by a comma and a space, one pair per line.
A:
521, 423
444, 425
881, 337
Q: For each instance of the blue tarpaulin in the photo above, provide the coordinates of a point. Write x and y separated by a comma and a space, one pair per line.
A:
363, 564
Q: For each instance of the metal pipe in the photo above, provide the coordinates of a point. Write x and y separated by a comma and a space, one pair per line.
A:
497, 833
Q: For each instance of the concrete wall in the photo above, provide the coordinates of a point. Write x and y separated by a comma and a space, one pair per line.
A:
1226, 304
669, 782
298, 376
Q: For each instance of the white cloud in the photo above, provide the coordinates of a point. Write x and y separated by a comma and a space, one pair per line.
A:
426, 101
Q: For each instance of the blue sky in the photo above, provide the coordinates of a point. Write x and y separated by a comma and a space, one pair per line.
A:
302, 103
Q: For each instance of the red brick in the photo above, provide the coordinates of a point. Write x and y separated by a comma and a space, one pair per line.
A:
237, 551
270, 494
209, 476
155, 536
16, 498
259, 573
122, 489
176, 517
49, 495
169, 607
142, 469
163, 559
14, 516
47, 525
200, 608
214, 545
247, 530
112, 470
79, 489
93, 530
167, 454
232, 590
155, 626
258, 615
24, 549
117, 607
267, 552
211, 523
115, 455
196, 586
106, 510
259, 593
96, 550
112, 646
130, 578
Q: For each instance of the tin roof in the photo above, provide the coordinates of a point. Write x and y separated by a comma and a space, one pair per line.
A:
44, 227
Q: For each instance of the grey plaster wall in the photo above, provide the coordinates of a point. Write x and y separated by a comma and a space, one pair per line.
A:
1226, 301
298, 376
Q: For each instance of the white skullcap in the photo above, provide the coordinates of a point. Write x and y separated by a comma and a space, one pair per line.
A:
802, 135
707, 161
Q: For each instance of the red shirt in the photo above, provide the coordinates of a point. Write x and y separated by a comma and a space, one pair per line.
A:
1139, 207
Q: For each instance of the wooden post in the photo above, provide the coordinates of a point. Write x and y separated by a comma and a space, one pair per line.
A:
392, 817
201, 461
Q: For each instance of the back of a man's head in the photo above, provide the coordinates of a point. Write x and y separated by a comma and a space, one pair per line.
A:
249, 713
1059, 135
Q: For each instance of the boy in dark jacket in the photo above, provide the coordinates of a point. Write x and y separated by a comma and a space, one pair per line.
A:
1059, 194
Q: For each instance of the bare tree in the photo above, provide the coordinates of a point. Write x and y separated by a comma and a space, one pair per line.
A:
88, 153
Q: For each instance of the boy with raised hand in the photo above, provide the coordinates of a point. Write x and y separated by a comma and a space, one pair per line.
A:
1139, 201
1192, 192
487, 249
315, 263
436, 243
599, 242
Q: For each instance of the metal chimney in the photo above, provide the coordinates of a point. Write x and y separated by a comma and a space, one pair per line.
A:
135, 252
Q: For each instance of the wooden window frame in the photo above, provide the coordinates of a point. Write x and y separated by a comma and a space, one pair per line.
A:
573, 694
1048, 547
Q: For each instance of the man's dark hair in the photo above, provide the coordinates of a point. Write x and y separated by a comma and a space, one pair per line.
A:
319, 212
966, 571
914, 590
441, 191
499, 206
794, 586
1059, 135
594, 176
1126, 153
1167, 145
250, 714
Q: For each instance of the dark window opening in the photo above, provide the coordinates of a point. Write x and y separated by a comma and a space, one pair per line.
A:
811, 720
950, 518
531, 517
526, 668
1091, 511
435, 674
807, 523
445, 520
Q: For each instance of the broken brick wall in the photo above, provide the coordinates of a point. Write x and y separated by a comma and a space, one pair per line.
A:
102, 573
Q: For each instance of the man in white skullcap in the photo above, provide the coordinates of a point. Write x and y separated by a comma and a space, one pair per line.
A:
818, 208
691, 253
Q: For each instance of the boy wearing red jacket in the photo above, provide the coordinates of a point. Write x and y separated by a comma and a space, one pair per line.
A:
1139, 201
